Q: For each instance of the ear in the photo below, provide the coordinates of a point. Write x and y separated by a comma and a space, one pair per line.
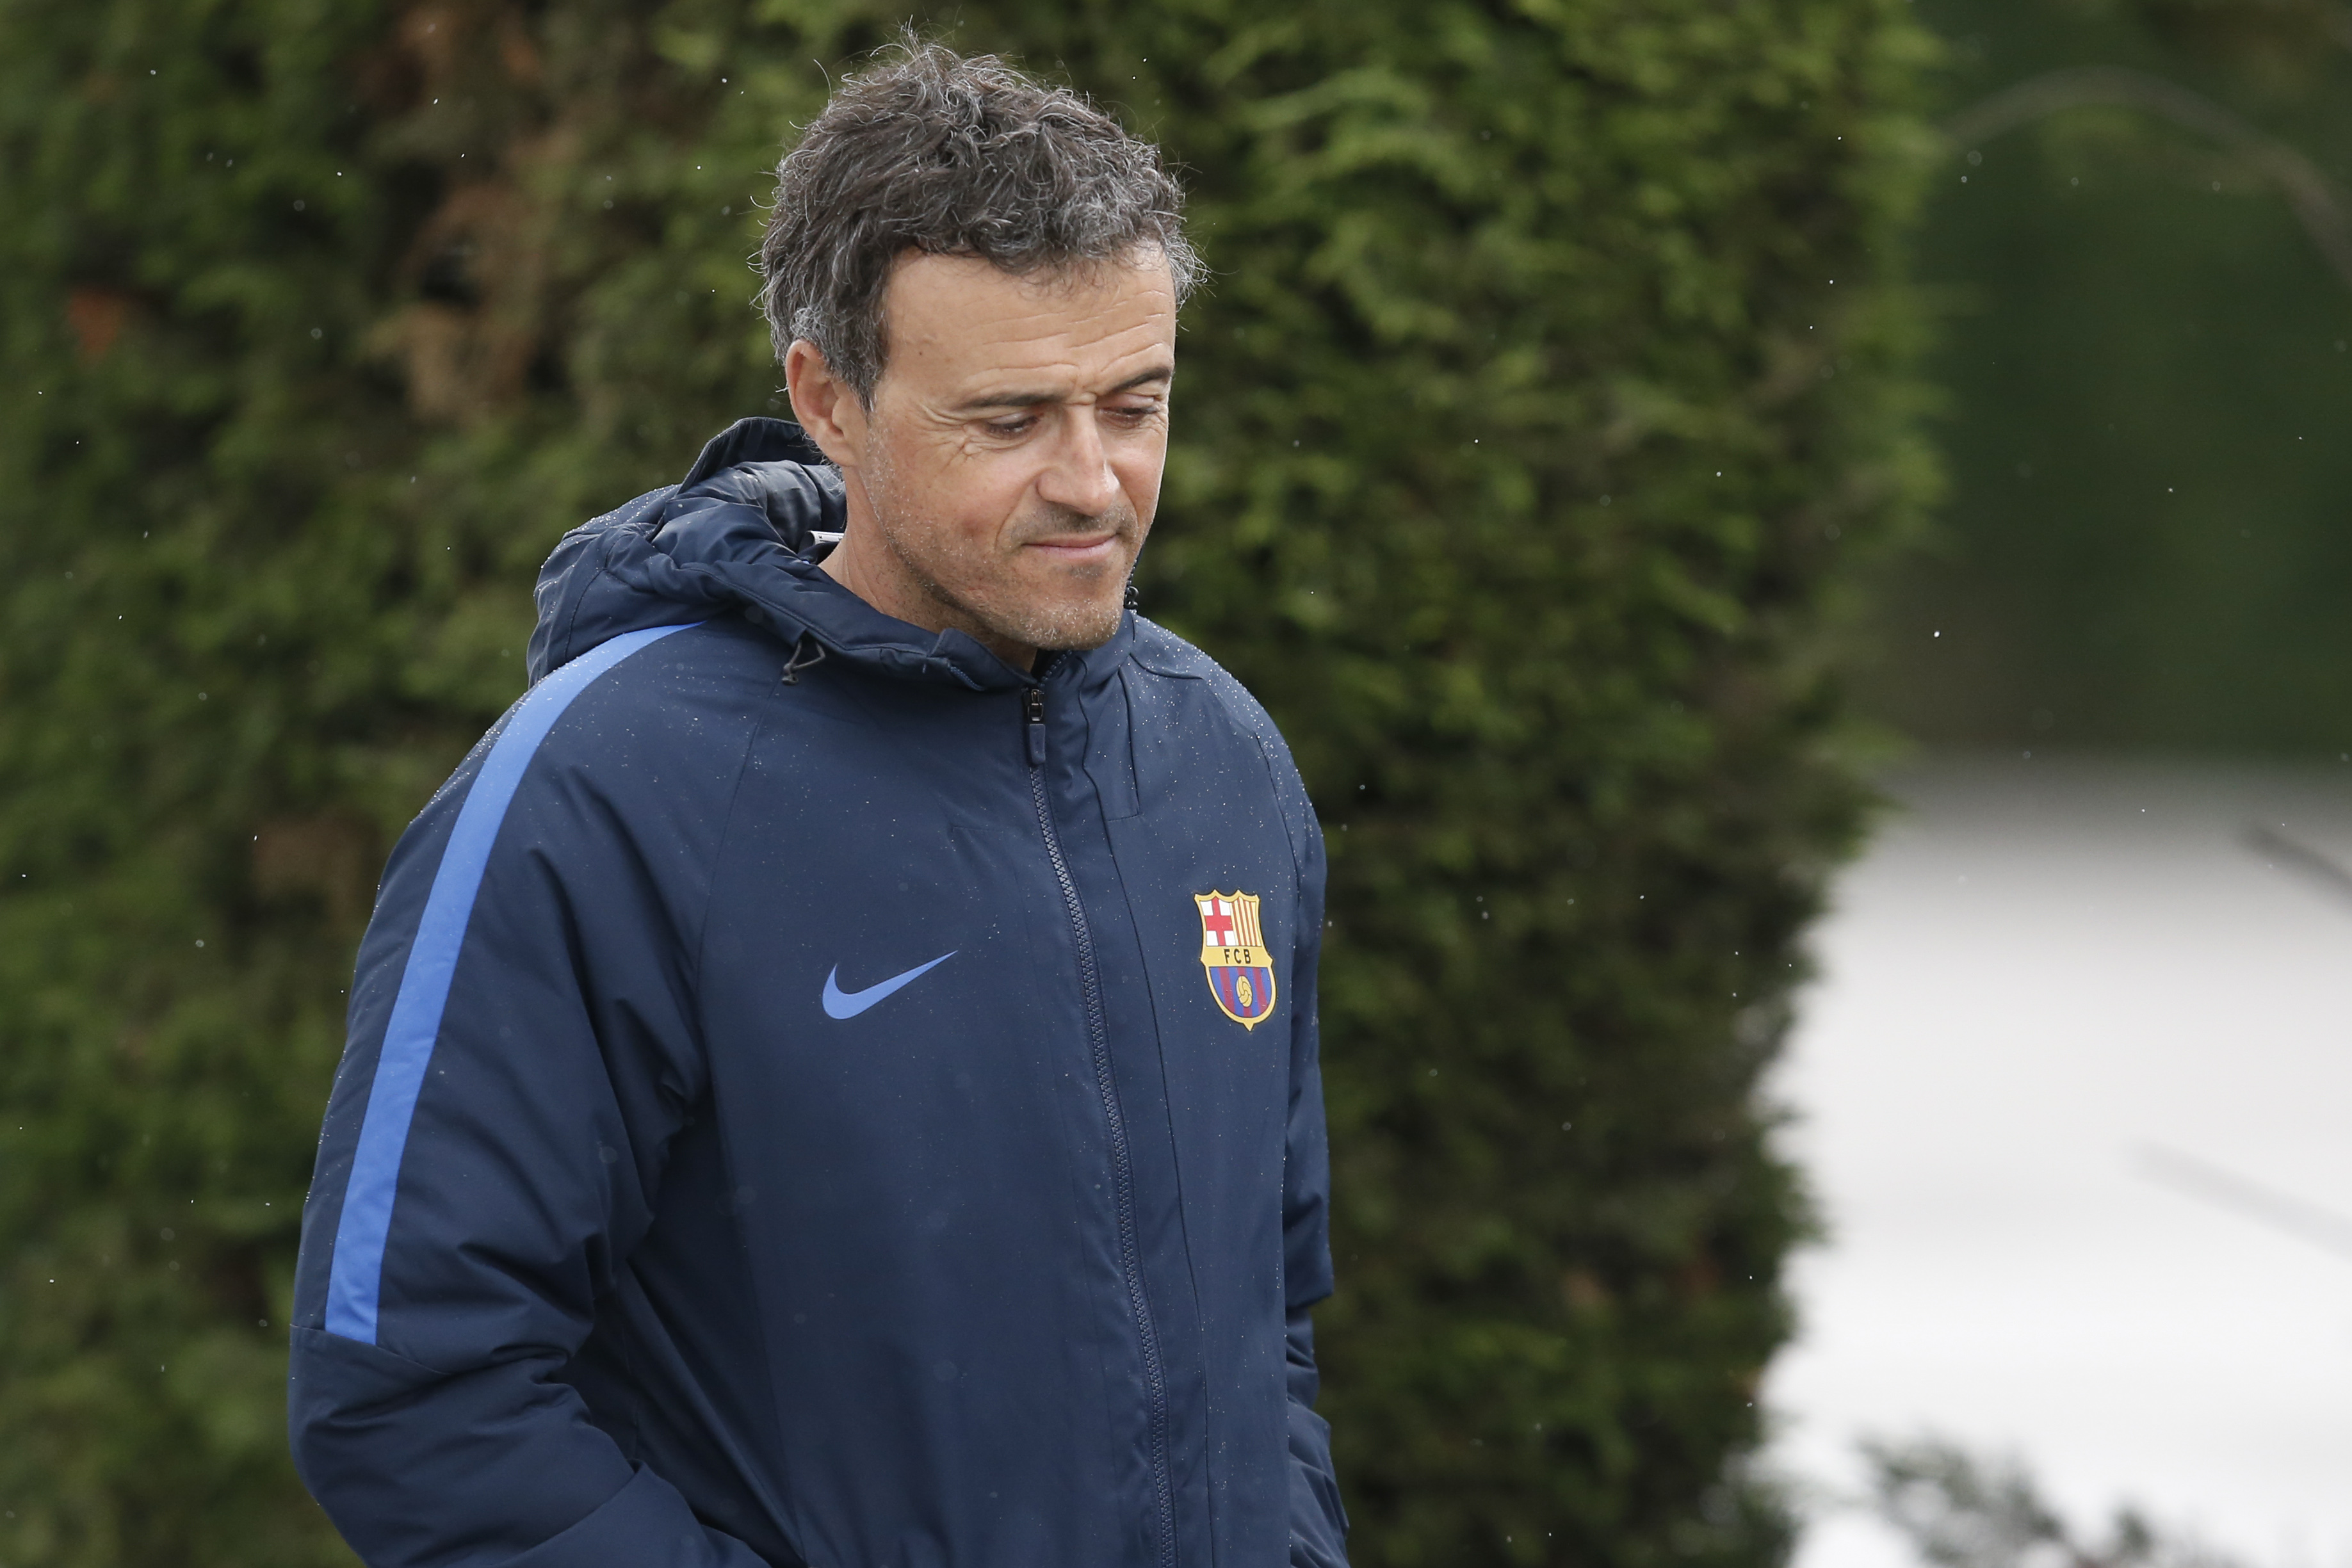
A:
827, 407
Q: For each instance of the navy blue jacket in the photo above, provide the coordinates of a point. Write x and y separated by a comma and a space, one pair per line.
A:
816, 1094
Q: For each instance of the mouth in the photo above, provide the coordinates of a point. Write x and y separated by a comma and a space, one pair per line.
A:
1077, 549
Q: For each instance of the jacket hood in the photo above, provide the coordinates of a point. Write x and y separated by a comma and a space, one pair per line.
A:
742, 533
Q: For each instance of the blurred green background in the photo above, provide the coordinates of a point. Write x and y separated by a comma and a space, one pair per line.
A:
1557, 458
2146, 400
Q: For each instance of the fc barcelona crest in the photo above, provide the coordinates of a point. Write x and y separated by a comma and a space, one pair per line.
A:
1232, 949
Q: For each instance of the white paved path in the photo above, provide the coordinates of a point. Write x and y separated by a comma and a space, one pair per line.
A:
2039, 969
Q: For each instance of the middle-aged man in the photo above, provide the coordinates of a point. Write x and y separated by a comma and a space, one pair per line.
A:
832, 1079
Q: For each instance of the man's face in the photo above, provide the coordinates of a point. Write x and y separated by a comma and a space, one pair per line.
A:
1006, 473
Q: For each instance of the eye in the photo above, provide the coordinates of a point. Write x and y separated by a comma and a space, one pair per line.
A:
1012, 425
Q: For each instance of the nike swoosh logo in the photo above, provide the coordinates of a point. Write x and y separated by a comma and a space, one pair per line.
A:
841, 1003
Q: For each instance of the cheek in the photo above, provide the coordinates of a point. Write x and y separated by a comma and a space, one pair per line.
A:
1140, 470
950, 498
991, 494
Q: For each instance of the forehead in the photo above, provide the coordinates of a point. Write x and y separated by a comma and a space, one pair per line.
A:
955, 321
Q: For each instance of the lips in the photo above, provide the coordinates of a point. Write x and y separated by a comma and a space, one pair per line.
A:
1077, 548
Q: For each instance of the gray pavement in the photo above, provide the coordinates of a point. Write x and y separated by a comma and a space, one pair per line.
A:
2075, 1089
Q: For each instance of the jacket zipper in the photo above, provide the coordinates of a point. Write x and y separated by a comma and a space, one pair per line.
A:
1033, 708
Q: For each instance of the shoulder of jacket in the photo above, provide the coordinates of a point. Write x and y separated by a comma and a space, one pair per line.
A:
690, 686
1160, 651
724, 650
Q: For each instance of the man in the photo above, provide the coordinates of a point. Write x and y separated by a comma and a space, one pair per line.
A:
832, 1080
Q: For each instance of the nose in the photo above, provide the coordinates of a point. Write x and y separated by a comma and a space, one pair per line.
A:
1079, 476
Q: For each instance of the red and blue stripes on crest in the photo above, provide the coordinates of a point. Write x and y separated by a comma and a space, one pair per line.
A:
1247, 994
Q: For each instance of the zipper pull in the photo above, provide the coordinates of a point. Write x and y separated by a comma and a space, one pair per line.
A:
1033, 712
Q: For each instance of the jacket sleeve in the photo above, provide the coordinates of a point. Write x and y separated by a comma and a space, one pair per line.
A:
491, 1154
1318, 1526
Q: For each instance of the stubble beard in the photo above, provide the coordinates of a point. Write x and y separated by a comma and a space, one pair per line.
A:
978, 585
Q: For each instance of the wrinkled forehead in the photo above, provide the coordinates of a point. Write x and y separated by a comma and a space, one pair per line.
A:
951, 321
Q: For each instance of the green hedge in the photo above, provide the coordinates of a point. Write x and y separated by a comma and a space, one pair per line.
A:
1551, 385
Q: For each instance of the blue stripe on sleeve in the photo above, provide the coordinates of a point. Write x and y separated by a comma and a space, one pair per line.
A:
356, 1275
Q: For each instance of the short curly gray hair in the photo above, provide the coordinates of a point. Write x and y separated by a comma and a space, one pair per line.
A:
940, 153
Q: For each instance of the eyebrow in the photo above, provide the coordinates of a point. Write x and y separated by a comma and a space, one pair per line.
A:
1032, 399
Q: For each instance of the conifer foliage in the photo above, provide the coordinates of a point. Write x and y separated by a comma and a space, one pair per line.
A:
1549, 387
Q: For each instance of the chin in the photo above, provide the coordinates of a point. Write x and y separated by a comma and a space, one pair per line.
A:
1071, 628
